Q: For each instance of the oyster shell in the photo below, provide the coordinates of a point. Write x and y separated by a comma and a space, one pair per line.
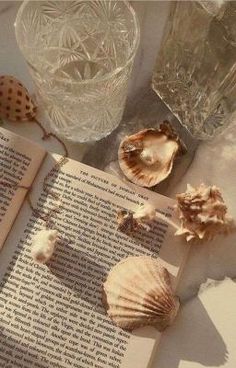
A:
203, 213
138, 292
146, 158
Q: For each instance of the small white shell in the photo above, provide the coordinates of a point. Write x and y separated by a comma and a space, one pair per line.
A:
145, 213
43, 245
138, 292
129, 222
146, 158
203, 213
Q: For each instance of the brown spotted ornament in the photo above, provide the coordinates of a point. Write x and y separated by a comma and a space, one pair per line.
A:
15, 101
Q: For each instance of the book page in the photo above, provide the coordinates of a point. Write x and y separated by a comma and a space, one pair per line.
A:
52, 315
20, 160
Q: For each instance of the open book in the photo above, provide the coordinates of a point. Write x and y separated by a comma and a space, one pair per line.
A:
51, 316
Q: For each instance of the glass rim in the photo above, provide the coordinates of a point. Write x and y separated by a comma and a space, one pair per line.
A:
106, 76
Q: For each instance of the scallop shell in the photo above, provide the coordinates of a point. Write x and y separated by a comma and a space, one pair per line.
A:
138, 292
146, 158
15, 101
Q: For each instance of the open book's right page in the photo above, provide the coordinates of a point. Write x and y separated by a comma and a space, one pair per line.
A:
52, 315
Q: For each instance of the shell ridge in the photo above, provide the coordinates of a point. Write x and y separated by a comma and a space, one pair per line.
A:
138, 292
137, 305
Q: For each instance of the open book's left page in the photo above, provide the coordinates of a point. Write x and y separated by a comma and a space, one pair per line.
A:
20, 160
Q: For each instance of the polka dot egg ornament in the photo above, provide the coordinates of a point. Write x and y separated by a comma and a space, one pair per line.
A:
15, 101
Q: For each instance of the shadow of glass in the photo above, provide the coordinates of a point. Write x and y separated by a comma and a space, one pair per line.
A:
84, 276
192, 338
14, 354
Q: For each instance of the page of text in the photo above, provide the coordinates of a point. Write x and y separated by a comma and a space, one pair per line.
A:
20, 160
52, 315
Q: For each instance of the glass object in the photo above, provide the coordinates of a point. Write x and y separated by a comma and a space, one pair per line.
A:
80, 55
195, 72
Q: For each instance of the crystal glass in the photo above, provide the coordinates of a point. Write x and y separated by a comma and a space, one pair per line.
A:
80, 55
195, 72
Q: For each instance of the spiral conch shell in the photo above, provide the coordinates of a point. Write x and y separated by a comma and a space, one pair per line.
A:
146, 158
15, 101
203, 213
138, 292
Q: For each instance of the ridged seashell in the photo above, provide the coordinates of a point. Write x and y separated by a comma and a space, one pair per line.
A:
43, 245
146, 158
138, 292
203, 213
129, 222
15, 101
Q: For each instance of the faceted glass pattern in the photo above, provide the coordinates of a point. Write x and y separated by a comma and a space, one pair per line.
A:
80, 55
195, 72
